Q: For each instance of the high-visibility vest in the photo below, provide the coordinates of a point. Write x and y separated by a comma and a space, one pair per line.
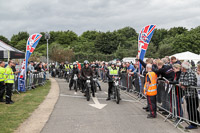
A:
2, 71
152, 90
71, 66
9, 75
113, 71
66, 67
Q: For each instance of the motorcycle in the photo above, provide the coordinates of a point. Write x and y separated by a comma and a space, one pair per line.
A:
67, 76
54, 72
88, 88
116, 90
95, 84
75, 82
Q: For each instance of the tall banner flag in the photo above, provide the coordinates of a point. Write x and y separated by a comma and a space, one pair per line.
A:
30, 47
143, 40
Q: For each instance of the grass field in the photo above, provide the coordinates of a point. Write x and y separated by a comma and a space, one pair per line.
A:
25, 103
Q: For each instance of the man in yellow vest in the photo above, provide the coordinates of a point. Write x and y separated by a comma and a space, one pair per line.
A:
9, 80
111, 71
150, 90
2, 84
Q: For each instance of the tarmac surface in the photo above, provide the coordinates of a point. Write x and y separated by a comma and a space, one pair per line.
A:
73, 114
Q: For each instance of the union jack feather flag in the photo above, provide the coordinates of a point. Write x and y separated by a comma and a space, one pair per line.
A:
30, 47
143, 40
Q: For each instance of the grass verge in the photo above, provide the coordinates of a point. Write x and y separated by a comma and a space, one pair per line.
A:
11, 116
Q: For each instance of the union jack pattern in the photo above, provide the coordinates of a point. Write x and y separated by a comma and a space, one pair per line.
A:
144, 39
30, 47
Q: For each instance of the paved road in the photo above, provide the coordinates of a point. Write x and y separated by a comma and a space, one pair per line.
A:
73, 114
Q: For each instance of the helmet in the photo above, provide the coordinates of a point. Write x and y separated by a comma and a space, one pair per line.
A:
93, 65
74, 63
113, 63
86, 62
66, 62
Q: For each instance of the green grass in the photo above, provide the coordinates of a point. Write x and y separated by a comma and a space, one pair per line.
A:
25, 103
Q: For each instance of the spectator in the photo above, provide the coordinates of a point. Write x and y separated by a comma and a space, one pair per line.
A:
130, 67
198, 75
178, 91
174, 60
188, 79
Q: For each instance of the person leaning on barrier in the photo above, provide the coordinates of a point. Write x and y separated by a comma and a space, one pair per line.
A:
178, 91
198, 75
174, 60
2, 83
188, 79
111, 72
150, 90
9, 80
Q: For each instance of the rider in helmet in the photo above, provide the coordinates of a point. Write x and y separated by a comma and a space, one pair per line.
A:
76, 71
111, 72
96, 74
86, 71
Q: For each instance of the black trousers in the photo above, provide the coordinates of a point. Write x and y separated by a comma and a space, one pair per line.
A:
72, 82
192, 109
2, 89
8, 91
110, 85
152, 104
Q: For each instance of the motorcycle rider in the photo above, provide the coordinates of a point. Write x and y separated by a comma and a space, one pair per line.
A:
61, 67
96, 74
111, 72
67, 68
87, 71
76, 71
53, 67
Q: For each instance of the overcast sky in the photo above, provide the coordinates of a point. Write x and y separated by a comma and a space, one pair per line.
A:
35, 16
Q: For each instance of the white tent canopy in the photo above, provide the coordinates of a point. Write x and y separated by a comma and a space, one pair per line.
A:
187, 56
7, 51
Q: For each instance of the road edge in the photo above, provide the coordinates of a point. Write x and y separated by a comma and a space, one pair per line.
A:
38, 119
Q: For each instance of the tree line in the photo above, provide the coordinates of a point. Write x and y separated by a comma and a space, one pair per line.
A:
97, 45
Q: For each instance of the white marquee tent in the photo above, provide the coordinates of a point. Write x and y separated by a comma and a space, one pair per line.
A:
187, 56
7, 52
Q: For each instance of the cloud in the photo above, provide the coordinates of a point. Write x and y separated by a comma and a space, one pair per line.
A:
104, 15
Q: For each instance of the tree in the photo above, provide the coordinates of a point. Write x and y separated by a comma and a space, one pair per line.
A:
106, 43
4, 39
21, 45
60, 54
177, 31
158, 36
20, 36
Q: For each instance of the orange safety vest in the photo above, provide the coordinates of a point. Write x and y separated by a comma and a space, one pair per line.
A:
152, 90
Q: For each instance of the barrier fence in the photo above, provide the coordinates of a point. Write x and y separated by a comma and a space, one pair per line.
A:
32, 80
181, 104
178, 103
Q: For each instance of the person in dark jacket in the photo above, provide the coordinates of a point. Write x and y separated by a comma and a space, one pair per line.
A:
111, 72
75, 71
187, 79
174, 60
178, 90
96, 75
165, 71
86, 71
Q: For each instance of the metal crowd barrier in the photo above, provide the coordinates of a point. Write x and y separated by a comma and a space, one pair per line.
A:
181, 104
102, 73
126, 81
32, 80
